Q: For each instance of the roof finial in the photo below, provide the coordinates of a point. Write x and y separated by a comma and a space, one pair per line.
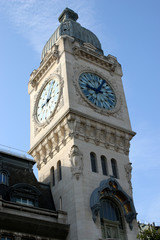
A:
68, 14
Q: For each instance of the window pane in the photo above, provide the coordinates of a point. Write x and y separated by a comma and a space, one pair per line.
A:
104, 165
93, 162
114, 168
24, 201
109, 210
30, 203
3, 178
19, 200
111, 220
6, 238
53, 177
59, 171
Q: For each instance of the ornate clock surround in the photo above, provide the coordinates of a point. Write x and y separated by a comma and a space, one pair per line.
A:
37, 97
78, 70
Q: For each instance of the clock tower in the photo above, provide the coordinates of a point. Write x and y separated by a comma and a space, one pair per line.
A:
81, 132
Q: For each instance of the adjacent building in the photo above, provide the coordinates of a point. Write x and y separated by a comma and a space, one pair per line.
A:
27, 209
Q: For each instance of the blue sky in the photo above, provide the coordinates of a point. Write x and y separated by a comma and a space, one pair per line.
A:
126, 29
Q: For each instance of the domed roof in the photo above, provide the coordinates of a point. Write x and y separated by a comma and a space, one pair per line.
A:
70, 27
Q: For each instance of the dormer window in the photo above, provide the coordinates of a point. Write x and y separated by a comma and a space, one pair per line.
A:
5, 238
3, 178
25, 201
25, 194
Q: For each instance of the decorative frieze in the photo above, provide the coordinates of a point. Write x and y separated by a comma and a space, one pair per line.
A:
45, 65
89, 130
108, 62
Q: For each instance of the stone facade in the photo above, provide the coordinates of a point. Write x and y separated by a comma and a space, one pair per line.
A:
77, 128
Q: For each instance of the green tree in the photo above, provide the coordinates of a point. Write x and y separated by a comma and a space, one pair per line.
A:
149, 232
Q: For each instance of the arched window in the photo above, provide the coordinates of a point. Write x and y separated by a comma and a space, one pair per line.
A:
111, 220
104, 165
52, 177
3, 177
93, 162
114, 168
59, 170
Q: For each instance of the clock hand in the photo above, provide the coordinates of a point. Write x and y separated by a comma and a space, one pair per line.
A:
47, 100
100, 86
49, 92
44, 104
88, 86
95, 89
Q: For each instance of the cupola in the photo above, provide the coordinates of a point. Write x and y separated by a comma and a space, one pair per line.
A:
69, 26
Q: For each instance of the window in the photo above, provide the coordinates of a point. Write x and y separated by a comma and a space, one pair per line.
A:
114, 168
52, 177
23, 193
25, 201
104, 165
60, 203
111, 220
6, 238
3, 177
59, 170
93, 162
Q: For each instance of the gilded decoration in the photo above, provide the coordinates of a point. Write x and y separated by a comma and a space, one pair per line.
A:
112, 189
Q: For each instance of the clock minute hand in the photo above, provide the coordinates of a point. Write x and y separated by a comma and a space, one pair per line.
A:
49, 92
100, 86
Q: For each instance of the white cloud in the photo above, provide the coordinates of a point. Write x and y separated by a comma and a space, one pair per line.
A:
36, 20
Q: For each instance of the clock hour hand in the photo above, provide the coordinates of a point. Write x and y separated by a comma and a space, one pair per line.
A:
44, 104
88, 86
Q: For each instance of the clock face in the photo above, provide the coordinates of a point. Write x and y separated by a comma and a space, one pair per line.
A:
48, 100
97, 91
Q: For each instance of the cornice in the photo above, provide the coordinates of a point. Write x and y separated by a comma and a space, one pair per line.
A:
107, 62
76, 126
45, 65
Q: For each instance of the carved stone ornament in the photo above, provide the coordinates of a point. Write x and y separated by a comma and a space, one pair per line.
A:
89, 52
78, 70
74, 125
76, 161
45, 65
59, 104
128, 169
112, 189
